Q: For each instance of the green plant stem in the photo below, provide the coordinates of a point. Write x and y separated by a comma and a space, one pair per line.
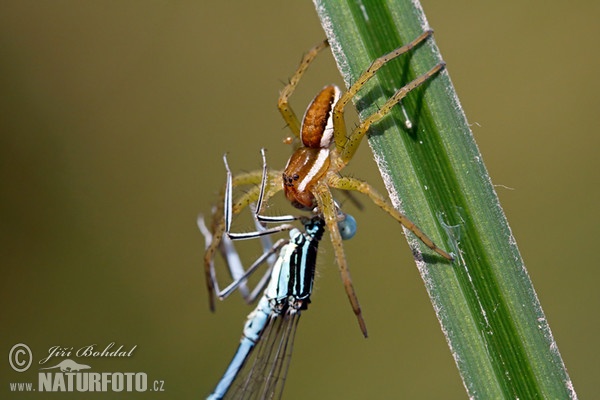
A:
484, 300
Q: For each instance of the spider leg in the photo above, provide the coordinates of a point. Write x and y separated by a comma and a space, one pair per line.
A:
339, 123
347, 183
353, 141
375, 66
330, 214
285, 109
347, 145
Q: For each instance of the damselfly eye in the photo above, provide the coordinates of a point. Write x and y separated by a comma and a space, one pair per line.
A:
347, 227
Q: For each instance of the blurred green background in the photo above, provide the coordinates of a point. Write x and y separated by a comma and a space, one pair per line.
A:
115, 115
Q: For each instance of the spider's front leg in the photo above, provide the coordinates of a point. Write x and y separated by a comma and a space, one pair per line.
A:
347, 145
359, 132
328, 208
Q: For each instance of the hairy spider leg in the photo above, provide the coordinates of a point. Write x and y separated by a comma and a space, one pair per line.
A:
353, 141
328, 208
347, 146
347, 183
286, 111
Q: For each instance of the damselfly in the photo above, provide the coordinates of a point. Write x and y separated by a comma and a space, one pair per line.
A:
272, 324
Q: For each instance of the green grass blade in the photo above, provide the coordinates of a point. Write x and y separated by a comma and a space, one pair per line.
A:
485, 301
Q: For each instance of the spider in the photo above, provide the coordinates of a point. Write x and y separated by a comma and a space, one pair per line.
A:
314, 167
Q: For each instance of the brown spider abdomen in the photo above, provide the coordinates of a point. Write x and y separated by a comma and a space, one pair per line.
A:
304, 169
317, 124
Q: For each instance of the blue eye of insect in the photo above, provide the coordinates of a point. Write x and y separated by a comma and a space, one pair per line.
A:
347, 227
